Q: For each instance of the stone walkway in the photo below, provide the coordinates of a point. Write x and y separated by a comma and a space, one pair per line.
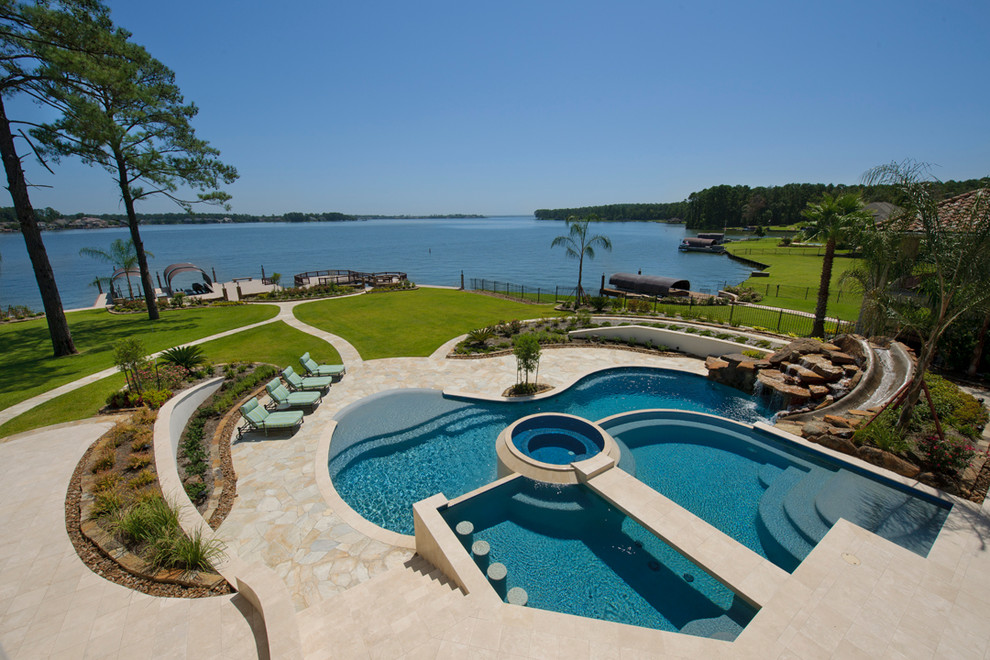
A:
52, 605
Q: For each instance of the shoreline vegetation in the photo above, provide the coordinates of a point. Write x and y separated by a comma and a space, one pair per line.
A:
51, 220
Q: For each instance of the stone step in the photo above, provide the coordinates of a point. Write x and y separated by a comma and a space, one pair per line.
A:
799, 505
785, 546
908, 521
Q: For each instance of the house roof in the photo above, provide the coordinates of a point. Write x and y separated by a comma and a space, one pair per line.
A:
959, 213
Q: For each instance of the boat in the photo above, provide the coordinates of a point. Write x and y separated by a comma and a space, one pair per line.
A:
701, 245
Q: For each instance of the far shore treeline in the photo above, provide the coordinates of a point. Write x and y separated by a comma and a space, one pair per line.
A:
49, 218
742, 206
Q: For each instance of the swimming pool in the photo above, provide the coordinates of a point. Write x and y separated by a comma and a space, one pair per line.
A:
773, 496
396, 448
574, 553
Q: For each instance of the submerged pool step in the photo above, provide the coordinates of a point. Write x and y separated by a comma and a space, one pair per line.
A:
767, 474
800, 507
780, 535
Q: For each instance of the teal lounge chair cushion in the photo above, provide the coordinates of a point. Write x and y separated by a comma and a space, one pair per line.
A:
259, 418
297, 382
283, 398
314, 369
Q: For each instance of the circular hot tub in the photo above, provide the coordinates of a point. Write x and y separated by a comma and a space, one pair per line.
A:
546, 445
557, 439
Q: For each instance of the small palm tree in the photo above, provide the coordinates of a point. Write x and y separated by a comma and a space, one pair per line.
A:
121, 254
579, 245
833, 219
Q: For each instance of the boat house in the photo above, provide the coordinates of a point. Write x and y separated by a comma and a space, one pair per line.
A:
646, 285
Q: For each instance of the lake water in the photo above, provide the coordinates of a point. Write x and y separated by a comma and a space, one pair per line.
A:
508, 249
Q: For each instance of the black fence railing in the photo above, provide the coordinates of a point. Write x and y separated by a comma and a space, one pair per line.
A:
800, 292
714, 310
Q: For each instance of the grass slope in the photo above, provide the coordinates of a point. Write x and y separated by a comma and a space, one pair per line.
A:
275, 343
29, 369
798, 272
411, 323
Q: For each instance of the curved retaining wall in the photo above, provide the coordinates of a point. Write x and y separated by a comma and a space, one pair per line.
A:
255, 581
685, 342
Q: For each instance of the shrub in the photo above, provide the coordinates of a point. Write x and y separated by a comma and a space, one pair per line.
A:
142, 479
639, 306
196, 490
480, 336
107, 503
749, 352
154, 399
105, 461
598, 303
162, 376
107, 482
195, 552
188, 357
882, 433
948, 457
178, 299
138, 461
147, 521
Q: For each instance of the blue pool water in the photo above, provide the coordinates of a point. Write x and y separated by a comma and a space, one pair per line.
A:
394, 449
557, 439
774, 497
573, 553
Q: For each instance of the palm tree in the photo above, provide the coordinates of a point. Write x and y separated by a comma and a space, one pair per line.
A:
579, 245
121, 254
833, 219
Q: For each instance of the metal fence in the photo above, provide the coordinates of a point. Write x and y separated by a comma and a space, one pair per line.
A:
781, 321
800, 292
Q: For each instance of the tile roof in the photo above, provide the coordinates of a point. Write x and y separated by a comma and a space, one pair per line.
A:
957, 213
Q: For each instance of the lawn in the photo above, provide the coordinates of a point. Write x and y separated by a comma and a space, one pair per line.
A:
275, 343
411, 323
29, 368
798, 272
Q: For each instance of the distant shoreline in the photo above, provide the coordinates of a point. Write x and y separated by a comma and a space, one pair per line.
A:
96, 222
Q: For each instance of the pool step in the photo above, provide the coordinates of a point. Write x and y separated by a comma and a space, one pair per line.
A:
893, 514
799, 505
785, 545
767, 474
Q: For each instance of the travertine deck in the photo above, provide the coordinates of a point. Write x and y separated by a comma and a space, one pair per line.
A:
52, 605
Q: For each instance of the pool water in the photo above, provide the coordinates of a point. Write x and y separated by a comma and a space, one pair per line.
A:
573, 553
772, 496
396, 448
557, 439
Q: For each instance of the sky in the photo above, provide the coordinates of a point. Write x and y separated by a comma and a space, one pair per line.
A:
502, 108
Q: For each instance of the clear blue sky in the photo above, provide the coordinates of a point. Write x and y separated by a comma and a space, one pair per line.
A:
502, 108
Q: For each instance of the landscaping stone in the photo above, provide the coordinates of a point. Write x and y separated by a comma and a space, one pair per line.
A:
821, 366
889, 461
835, 420
840, 432
793, 351
818, 391
835, 443
805, 375
838, 357
813, 429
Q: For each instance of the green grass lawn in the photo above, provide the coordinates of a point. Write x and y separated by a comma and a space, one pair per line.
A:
798, 272
29, 368
275, 343
411, 323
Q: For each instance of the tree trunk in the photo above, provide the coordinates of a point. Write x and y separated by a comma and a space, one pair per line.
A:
981, 339
818, 329
914, 391
58, 327
580, 290
132, 222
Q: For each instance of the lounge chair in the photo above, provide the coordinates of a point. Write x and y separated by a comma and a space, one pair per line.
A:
256, 417
283, 398
313, 369
299, 383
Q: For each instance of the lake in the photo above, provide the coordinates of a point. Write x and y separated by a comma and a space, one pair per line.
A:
431, 251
